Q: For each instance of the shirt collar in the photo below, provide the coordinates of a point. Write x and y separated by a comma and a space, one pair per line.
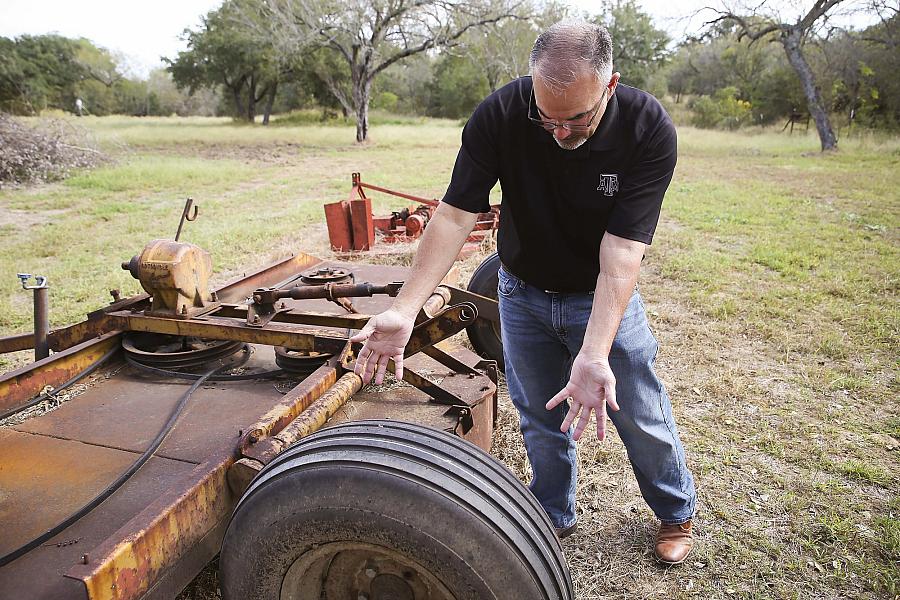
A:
605, 136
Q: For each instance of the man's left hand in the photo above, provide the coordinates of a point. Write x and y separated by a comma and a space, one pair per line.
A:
591, 387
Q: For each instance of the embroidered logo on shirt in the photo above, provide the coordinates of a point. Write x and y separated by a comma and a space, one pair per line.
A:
609, 183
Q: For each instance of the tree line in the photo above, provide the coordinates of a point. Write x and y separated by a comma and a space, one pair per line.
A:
51, 72
253, 58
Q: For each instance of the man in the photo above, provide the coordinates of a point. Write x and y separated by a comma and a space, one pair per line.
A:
584, 164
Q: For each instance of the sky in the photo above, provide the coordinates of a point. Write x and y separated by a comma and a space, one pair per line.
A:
143, 32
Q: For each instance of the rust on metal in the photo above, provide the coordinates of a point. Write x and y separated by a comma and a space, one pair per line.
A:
44, 479
176, 274
487, 307
219, 328
41, 322
434, 390
352, 321
361, 224
41, 304
21, 385
351, 224
445, 324
242, 287
325, 275
15, 343
329, 291
291, 405
125, 566
448, 360
187, 215
67, 337
134, 544
241, 473
309, 421
412, 405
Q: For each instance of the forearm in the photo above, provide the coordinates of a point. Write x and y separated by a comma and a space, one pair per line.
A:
440, 244
620, 262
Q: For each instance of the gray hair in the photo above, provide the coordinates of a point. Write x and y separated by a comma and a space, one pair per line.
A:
568, 48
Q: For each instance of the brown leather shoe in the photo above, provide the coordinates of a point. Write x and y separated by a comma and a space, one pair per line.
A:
674, 543
564, 532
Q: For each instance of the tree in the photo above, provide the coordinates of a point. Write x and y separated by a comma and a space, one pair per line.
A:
410, 80
501, 50
456, 88
13, 95
639, 48
222, 52
887, 31
370, 35
38, 72
755, 25
863, 66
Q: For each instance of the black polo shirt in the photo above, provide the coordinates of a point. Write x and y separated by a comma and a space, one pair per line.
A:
557, 203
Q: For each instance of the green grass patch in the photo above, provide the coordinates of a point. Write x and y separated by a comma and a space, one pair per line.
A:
865, 472
152, 174
889, 536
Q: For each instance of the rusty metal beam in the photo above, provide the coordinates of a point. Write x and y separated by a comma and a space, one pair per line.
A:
307, 422
487, 307
243, 286
445, 324
67, 337
15, 343
292, 404
352, 321
220, 328
131, 560
21, 385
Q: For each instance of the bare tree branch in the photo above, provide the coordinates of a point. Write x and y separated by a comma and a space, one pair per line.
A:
755, 25
371, 35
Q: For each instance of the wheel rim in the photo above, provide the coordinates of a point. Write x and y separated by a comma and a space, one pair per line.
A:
360, 571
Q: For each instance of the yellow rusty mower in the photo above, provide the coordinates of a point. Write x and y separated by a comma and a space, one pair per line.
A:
229, 421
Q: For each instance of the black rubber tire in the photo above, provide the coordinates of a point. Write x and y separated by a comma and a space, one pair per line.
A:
426, 495
485, 335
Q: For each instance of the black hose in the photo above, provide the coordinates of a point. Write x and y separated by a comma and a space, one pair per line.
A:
111, 488
44, 395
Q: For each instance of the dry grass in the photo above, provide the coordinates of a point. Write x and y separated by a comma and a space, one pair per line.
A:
772, 285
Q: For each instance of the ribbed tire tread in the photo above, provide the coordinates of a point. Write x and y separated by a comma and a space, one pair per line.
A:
444, 463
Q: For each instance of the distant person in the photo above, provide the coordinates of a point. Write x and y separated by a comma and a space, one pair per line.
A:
584, 164
79, 106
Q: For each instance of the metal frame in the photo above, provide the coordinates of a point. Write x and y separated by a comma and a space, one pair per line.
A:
162, 548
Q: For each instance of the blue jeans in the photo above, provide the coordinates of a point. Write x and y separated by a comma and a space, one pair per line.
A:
542, 332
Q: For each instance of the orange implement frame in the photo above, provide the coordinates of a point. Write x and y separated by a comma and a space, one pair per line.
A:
351, 225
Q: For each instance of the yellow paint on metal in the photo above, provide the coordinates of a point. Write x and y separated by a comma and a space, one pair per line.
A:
297, 337
176, 274
21, 385
126, 570
312, 419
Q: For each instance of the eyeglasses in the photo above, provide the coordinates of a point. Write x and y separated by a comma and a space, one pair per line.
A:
567, 125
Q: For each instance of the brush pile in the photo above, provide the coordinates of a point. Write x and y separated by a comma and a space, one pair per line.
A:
48, 151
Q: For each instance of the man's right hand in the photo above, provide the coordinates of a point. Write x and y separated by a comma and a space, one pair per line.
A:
385, 337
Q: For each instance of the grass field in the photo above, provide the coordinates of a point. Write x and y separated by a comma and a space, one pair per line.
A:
772, 284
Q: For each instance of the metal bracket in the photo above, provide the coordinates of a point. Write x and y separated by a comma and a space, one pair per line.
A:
439, 394
463, 416
40, 280
260, 313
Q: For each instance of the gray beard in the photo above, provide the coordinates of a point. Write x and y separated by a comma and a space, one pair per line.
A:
570, 145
